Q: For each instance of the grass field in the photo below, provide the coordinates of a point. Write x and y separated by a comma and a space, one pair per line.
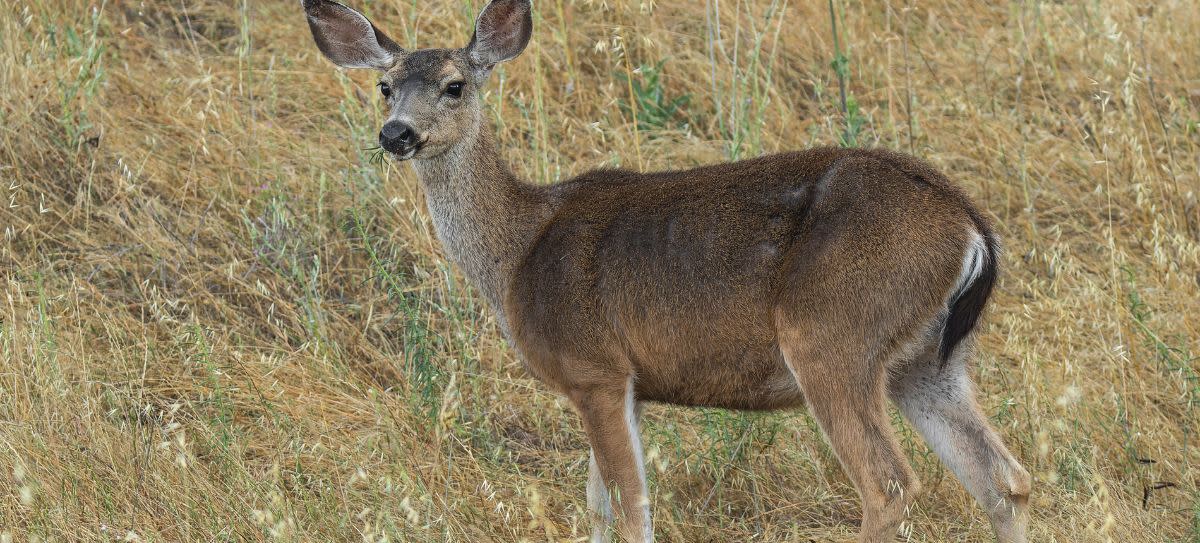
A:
224, 318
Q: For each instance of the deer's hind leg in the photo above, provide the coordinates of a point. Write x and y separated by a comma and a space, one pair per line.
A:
939, 401
846, 392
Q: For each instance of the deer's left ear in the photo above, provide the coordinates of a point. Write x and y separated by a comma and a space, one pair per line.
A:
347, 38
501, 32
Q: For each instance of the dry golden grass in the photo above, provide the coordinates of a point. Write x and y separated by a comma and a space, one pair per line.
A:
222, 321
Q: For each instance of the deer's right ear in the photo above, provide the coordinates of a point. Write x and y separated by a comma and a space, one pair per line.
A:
347, 38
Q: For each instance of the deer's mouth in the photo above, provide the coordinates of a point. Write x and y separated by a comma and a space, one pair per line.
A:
406, 153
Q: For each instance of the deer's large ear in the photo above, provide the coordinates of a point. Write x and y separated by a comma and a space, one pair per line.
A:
501, 32
348, 38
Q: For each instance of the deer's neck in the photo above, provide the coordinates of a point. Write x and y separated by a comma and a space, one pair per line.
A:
482, 213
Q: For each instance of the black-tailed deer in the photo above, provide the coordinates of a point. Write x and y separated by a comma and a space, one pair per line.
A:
832, 278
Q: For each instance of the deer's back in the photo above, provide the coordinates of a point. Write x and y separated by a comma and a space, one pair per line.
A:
676, 276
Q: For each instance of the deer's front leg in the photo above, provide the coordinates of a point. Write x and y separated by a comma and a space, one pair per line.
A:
610, 414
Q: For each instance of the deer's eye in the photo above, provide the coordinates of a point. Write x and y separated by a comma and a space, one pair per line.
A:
385, 89
454, 89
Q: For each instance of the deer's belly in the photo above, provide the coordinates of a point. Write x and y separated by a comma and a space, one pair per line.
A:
712, 352
754, 381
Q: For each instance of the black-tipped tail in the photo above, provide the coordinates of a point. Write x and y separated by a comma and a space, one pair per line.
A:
966, 307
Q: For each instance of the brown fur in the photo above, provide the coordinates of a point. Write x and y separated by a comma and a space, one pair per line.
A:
821, 277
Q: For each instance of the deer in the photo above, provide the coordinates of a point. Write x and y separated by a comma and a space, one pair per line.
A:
832, 279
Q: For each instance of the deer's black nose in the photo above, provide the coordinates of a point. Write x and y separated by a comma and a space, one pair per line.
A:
397, 137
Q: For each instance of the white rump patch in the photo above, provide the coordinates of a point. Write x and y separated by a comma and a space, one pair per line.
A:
974, 261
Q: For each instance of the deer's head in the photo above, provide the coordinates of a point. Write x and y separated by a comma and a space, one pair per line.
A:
432, 94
